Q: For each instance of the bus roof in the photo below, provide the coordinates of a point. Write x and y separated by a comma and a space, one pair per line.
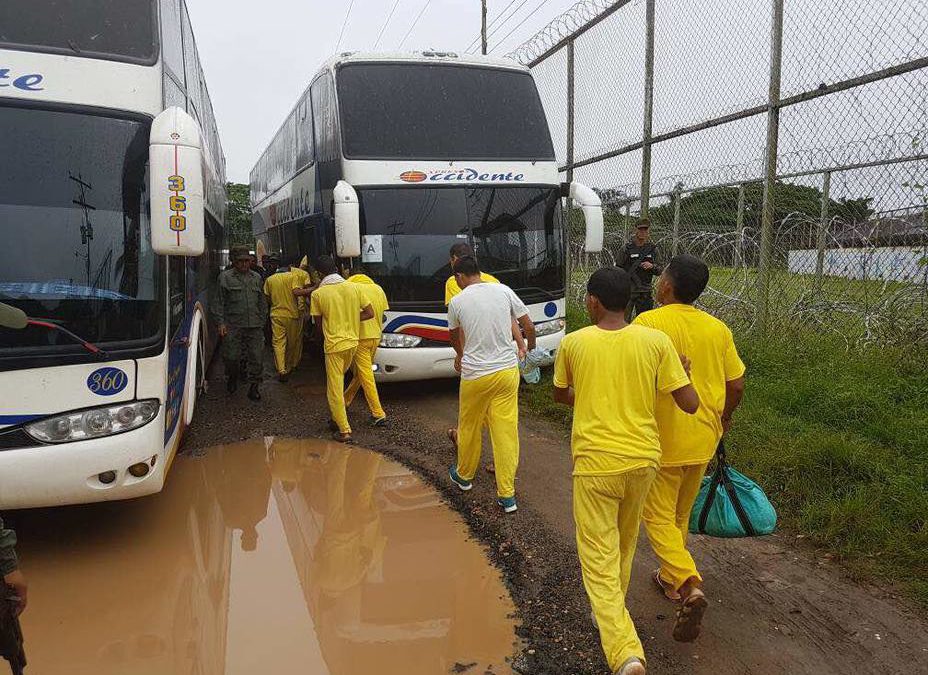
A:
427, 56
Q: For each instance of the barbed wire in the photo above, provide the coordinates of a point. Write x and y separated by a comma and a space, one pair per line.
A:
560, 28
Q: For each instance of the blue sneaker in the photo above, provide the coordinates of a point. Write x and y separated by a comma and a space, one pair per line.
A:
508, 504
457, 480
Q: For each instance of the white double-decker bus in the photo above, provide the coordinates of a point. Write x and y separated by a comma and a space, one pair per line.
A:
111, 207
387, 160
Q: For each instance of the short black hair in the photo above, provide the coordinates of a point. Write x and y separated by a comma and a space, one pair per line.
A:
467, 266
689, 277
325, 265
461, 250
612, 287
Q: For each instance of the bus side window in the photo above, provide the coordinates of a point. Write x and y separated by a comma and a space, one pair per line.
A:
177, 292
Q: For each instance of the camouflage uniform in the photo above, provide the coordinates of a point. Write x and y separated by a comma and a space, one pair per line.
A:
8, 561
242, 307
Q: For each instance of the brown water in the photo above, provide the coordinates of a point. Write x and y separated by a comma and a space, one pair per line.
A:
271, 556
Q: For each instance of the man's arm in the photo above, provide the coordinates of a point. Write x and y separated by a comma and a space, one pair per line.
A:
457, 342
219, 310
564, 395
734, 393
318, 335
367, 312
9, 568
517, 337
304, 291
528, 327
686, 399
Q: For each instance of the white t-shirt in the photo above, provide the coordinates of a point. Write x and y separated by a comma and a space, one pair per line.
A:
484, 313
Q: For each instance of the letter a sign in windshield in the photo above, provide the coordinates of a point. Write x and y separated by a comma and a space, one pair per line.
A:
372, 248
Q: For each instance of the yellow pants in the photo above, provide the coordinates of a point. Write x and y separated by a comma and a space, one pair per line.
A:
607, 514
667, 518
336, 365
287, 341
492, 400
363, 367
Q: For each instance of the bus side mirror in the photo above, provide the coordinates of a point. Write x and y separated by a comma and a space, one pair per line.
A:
592, 208
176, 169
347, 221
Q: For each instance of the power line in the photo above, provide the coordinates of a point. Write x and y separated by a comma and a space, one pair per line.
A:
473, 43
414, 23
386, 23
528, 16
344, 24
508, 19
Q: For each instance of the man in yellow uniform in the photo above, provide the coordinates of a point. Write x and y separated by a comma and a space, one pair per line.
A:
286, 322
371, 331
480, 319
452, 288
688, 442
338, 308
611, 374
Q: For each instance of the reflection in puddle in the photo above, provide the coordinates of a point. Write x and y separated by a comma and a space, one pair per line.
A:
275, 554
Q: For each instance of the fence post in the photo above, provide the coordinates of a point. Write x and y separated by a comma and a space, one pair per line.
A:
628, 216
676, 222
648, 110
764, 263
570, 155
822, 232
739, 228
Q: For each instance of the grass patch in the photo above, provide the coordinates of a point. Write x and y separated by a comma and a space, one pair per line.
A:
840, 443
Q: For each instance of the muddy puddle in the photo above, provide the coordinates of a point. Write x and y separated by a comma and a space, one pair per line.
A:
272, 556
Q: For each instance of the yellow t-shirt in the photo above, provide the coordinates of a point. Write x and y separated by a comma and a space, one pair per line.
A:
452, 288
616, 376
708, 343
301, 279
340, 307
279, 288
372, 329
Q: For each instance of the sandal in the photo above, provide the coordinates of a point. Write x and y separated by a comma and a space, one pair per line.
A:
689, 616
666, 589
343, 437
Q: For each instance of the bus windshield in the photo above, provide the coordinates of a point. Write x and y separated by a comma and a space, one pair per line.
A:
118, 28
74, 212
516, 232
440, 111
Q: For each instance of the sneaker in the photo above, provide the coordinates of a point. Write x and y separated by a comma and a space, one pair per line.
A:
632, 666
508, 504
283, 377
457, 480
379, 422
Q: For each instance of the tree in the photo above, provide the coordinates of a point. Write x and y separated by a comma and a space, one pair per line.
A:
238, 215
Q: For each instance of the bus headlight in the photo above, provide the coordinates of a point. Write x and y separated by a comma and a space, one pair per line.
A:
550, 327
93, 423
399, 341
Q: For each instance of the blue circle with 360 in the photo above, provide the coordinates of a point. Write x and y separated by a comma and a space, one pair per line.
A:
551, 309
107, 381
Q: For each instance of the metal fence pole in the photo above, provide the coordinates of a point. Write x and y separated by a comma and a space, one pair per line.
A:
822, 232
570, 152
628, 216
739, 228
676, 223
648, 110
764, 264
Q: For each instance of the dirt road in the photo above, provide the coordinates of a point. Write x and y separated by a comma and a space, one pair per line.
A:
776, 606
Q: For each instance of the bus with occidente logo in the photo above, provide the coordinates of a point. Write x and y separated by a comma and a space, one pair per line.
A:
112, 205
387, 160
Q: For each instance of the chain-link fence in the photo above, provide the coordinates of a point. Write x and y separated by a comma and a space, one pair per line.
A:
784, 141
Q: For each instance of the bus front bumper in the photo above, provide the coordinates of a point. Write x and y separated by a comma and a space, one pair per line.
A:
69, 473
430, 363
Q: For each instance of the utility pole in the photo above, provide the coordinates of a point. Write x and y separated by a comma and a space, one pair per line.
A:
87, 226
483, 27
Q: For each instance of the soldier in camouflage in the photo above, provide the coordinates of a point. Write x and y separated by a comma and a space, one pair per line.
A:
241, 311
9, 568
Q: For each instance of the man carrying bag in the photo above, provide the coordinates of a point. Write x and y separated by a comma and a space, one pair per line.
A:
12, 602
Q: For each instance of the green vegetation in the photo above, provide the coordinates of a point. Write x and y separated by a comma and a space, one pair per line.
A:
838, 439
238, 215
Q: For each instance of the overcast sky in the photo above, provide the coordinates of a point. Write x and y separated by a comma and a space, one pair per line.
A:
258, 57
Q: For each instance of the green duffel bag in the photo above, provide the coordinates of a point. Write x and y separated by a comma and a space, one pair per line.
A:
731, 505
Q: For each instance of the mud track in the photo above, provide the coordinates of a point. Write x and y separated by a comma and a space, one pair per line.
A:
776, 606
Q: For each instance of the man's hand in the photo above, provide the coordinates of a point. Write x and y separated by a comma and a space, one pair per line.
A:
687, 364
223, 330
457, 363
17, 582
647, 265
522, 353
726, 424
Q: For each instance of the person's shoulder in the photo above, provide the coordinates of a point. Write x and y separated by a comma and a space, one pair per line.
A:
580, 335
649, 334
